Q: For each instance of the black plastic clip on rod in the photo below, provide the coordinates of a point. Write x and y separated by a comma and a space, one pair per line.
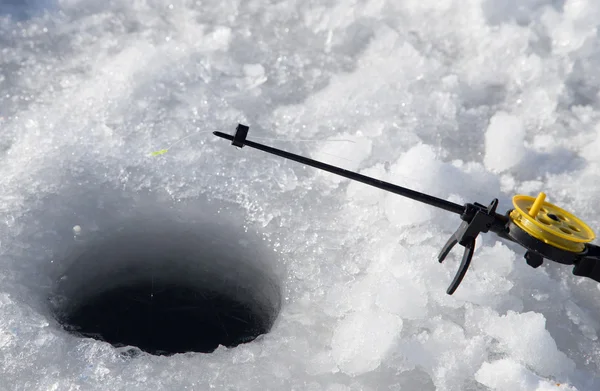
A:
239, 140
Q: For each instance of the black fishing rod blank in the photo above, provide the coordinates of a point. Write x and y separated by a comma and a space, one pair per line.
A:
239, 140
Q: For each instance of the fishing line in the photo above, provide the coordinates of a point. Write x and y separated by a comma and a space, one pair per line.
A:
165, 150
303, 140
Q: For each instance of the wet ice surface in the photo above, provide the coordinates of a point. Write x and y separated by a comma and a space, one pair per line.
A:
434, 95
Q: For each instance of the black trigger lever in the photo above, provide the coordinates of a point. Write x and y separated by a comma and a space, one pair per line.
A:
476, 219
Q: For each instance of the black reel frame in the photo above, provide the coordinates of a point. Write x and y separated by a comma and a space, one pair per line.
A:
476, 218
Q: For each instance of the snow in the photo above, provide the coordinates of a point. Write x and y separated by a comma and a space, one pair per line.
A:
465, 100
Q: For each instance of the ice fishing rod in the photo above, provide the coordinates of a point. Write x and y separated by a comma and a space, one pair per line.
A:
543, 229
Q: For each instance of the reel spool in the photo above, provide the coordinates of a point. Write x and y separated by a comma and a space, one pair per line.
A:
550, 224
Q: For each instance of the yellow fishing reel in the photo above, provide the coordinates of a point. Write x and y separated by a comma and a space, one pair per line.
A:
543, 229
550, 224
550, 232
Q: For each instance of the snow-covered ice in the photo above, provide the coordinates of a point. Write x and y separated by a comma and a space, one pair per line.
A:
466, 100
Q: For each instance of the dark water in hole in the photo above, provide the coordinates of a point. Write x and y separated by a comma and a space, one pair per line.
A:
167, 318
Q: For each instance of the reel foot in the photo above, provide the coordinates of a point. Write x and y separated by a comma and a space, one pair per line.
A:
534, 259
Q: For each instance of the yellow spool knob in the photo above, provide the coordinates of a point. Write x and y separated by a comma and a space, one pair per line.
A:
537, 205
550, 224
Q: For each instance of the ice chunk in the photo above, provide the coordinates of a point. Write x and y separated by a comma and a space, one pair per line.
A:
218, 39
570, 28
592, 150
509, 375
488, 282
363, 339
523, 336
255, 75
501, 259
345, 150
504, 142
586, 323
402, 295
338, 387
420, 170
363, 194
445, 353
402, 211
